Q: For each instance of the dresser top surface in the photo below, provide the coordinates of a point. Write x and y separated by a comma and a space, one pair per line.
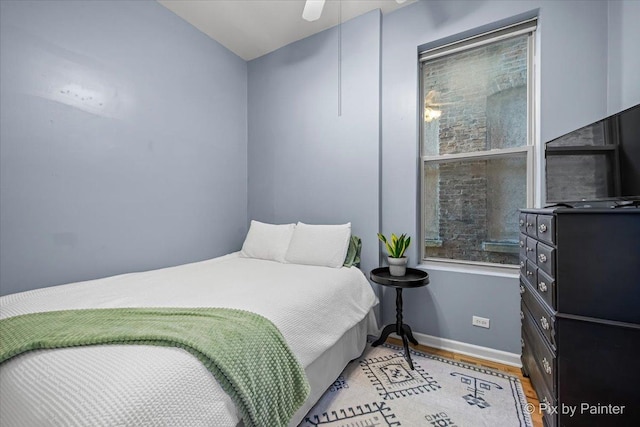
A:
582, 210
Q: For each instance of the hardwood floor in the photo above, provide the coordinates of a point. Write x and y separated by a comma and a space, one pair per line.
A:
536, 416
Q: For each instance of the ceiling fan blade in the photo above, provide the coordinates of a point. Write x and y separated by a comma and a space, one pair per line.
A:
312, 10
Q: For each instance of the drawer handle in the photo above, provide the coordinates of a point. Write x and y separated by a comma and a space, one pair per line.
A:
542, 287
529, 224
544, 322
529, 273
529, 249
547, 366
521, 289
521, 315
521, 222
521, 343
542, 258
542, 228
521, 263
521, 244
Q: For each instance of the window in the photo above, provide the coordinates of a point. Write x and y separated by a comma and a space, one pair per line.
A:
476, 145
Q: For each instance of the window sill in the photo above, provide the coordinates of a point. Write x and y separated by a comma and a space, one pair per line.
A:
485, 269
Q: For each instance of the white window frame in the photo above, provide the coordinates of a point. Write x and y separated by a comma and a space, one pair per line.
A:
528, 26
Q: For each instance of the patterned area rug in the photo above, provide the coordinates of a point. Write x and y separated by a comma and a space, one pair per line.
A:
380, 389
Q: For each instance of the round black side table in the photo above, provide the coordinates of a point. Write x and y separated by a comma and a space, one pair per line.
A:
413, 278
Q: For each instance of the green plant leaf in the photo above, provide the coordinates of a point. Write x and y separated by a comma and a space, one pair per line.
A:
406, 244
390, 249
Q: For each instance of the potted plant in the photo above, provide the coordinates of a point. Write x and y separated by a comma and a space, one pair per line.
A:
396, 248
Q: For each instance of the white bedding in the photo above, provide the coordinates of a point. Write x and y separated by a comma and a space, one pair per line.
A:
145, 385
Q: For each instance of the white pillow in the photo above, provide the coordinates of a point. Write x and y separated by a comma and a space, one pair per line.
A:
323, 245
267, 241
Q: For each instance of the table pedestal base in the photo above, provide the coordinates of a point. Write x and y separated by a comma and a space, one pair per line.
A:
401, 329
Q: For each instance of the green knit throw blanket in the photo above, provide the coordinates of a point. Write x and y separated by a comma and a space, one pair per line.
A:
244, 351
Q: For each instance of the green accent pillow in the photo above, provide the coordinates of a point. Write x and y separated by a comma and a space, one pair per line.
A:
353, 253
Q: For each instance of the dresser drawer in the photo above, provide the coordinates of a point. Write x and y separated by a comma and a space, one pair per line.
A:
549, 416
546, 258
546, 288
530, 273
531, 225
532, 369
522, 222
545, 321
544, 357
522, 244
530, 248
545, 229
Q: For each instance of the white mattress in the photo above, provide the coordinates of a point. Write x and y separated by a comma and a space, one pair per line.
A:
314, 308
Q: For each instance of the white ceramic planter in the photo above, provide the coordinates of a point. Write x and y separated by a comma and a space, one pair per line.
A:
397, 266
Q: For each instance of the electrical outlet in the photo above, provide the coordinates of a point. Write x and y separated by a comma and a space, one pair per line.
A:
480, 321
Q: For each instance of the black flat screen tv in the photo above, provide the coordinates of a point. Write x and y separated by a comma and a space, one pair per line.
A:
598, 162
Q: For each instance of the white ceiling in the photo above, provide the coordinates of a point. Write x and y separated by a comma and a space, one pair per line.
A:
252, 28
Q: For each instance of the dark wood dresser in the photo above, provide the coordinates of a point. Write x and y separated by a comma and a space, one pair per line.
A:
580, 312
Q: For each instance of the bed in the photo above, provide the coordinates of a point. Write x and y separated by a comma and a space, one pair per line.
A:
324, 315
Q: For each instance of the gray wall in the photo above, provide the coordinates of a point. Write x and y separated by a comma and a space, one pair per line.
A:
122, 142
306, 163
573, 72
624, 60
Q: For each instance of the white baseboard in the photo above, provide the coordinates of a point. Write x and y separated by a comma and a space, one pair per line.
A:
486, 353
